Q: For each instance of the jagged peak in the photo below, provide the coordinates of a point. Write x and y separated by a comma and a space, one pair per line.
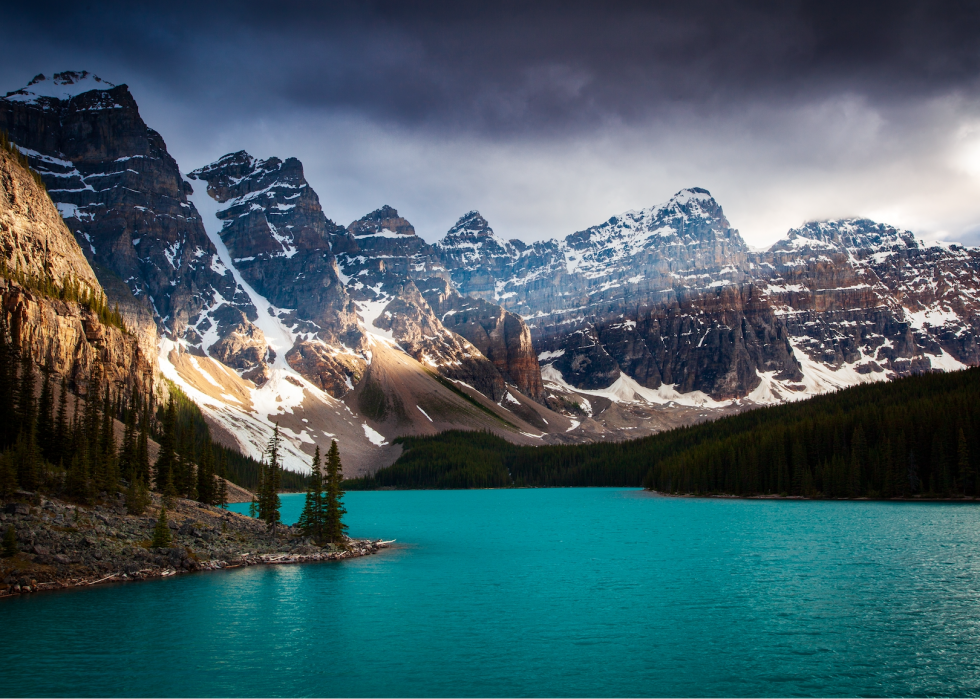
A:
384, 213
692, 194
238, 160
688, 203
469, 224
384, 219
61, 86
846, 233
472, 232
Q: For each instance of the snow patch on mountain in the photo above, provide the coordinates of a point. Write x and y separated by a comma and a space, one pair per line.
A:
60, 86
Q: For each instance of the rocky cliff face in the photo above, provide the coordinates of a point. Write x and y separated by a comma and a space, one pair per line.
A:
63, 335
865, 295
279, 239
121, 194
499, 335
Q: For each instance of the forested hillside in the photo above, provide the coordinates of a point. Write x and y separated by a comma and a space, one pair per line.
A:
917, 436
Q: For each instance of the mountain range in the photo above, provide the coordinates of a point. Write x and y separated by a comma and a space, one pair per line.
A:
237, 287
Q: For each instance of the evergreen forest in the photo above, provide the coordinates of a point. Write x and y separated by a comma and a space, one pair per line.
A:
60, 438
913, 437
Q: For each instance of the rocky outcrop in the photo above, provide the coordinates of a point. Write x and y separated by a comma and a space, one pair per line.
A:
33, 237
122, 195
62, 334
335, 370
500, 336
62, 545
417, 329
72, 341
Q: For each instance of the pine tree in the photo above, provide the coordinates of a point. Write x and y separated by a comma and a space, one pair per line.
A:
27, 456
335, 529
8, 386
45, 418
169, 491
10, 542
269, 501
62, 436
964, 469
107, 448
137, 497
311, 521
222, 496
167, 460
142, 463
161, 532
188, 477
127, 454
26, 406
90, 425
205, 477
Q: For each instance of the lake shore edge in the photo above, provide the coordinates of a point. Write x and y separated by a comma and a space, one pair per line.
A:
729, 496
61, 545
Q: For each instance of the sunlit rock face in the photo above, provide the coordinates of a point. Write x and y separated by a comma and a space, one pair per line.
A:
64, 336
121, 194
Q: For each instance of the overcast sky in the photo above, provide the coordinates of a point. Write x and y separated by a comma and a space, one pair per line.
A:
551, 117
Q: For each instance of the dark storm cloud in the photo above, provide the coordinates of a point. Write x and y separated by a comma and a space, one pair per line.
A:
518, 67
552, 116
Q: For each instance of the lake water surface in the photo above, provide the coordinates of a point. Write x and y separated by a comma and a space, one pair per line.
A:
567, 592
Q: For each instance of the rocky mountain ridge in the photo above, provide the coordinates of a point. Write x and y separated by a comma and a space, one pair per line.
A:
265, 310
40, 257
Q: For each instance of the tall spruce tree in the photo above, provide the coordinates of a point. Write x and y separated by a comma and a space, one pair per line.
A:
61, 429
26, 406
964, 468
45, 418
127, 452
161, 532
206, 490
8, 386
335, 529
109, 467
222, 496
269, 502
167, 460
311, 521
142, 463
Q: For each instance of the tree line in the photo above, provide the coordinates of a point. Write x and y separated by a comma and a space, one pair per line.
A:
54, 440
323, 509
913, 437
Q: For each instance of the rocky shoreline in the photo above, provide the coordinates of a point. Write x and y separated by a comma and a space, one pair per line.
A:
62, 545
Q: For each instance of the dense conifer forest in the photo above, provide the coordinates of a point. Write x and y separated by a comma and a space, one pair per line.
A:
60, 438
913, 437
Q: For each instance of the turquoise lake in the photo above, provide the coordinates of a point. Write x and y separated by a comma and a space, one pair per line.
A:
567, 592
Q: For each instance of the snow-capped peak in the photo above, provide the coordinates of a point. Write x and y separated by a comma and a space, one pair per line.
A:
474, 241
692, 194
60, 86
846, 234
